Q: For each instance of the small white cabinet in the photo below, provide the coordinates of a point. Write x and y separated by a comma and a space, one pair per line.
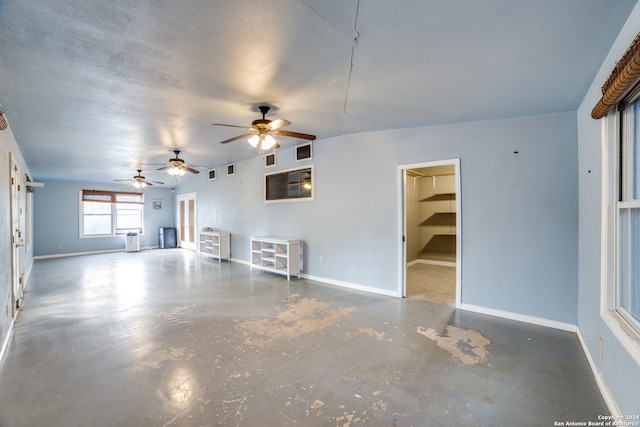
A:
216, 244
276, 255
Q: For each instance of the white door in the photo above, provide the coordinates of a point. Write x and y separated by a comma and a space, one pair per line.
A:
187, 224
17, 239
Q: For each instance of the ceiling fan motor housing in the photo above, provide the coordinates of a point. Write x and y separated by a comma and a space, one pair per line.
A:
261, 124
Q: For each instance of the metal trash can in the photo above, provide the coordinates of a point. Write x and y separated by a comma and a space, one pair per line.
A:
132, 242
167, 237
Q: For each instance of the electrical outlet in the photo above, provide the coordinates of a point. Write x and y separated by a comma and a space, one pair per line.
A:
321, 260
600, 347
59, 246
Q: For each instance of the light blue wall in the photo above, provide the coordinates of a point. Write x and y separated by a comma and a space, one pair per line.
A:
57, 215
621, 373
519, 211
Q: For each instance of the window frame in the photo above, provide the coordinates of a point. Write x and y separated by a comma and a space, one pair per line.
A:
617, 134
111, 198
286, 172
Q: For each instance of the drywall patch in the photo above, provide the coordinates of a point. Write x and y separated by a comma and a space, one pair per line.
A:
466, 344
301, 317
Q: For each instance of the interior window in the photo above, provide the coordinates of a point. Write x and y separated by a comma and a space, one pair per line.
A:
293, 184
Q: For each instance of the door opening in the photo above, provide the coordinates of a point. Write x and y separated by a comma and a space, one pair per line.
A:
187, 223
431, 264
17, 239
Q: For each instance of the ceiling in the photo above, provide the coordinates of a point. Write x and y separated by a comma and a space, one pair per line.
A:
94, 89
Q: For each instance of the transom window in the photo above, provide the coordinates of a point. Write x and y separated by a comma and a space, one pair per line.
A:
109, 213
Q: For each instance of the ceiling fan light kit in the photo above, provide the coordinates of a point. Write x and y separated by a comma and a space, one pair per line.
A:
140, 181
262, 132
177, 167
175, 171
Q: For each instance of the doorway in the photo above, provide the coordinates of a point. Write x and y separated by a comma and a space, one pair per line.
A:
430, 265
187, 223
17, 240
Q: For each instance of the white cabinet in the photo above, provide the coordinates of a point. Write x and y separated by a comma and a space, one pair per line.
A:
276, 255
215, 244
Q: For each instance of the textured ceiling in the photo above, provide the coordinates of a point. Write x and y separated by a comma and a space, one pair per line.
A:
92, 89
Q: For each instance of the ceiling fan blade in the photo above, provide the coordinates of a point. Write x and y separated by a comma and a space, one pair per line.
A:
148, 183
230, 126
155, 182
191, 169
278, 123
122, 180
295, 134
165, 167
244, 135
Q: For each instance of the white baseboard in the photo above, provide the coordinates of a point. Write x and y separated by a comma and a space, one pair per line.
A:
77, 254
335, 282
520, 317
351, 285
432, 262
602, 385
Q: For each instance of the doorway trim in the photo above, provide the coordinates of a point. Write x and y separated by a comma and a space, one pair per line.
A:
181, 242
402, 224
17, 239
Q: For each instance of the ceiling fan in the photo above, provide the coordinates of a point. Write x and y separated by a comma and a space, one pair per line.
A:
177, 167
139, 181
262, 131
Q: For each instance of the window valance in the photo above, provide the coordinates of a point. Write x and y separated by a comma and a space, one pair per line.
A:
623, 78
112, 197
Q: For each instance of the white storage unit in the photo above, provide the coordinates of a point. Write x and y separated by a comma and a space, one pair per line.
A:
276, 255
215, 244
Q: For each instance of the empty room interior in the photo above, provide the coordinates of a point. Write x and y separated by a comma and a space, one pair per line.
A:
301, 212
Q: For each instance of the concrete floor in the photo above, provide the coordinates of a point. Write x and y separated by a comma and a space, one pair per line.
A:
431, 282
166, 338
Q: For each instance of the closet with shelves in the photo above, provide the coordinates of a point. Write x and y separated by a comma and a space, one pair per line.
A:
434, 214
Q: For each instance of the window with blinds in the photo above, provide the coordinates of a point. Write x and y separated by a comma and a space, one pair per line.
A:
109, 213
